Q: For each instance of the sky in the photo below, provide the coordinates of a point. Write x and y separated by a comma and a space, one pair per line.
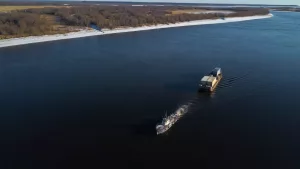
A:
271, 2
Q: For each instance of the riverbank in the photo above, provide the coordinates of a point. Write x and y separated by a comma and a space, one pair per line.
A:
87, 32
283, 11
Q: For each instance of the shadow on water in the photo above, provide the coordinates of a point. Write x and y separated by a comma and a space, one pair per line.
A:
205, 95
145, 128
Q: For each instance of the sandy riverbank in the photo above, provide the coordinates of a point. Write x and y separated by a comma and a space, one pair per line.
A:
86, 33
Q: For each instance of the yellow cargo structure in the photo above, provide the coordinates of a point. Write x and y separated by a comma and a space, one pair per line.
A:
211, 81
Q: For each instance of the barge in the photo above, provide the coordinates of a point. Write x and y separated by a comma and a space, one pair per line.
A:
211, 81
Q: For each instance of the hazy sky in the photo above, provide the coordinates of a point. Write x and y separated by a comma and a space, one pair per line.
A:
279, 2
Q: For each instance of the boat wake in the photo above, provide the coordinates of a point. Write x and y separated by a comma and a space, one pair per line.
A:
230, 81
169, 120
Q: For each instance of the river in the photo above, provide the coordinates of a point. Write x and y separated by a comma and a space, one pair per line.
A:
94, 102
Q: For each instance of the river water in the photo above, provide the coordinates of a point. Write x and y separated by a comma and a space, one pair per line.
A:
94, 102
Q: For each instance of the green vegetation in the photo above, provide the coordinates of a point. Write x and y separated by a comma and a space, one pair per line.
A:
286, 9
51, 20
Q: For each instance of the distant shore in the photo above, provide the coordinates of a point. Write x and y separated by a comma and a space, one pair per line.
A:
89, 32
283, 11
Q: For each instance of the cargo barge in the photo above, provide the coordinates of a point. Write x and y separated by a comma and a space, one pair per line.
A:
211, 81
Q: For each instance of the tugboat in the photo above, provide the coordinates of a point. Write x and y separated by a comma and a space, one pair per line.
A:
168, 121
210, 82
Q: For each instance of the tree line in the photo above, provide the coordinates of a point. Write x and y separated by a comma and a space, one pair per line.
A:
33, 22
295, 9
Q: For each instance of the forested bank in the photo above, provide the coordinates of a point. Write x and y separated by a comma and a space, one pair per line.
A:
291, 9
53, 20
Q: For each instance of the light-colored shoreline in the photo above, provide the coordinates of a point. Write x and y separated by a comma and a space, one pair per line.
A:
86, 33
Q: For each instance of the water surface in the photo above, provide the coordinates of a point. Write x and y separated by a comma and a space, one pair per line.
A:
95, 101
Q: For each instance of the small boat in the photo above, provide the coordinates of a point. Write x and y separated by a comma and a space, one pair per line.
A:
211, 81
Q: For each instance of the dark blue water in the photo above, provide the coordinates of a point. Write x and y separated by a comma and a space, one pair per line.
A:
94, 102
